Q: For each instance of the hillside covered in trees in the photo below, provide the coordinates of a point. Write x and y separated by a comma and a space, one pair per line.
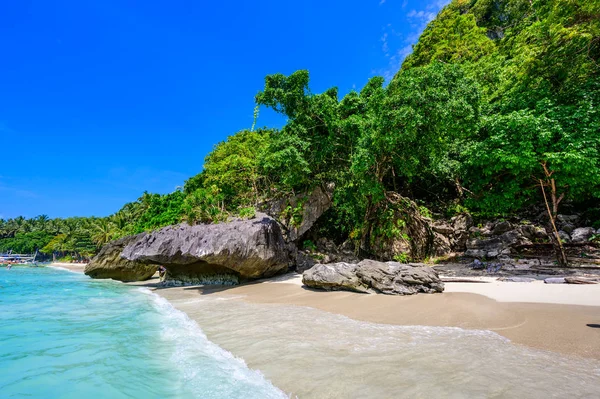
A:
496, 111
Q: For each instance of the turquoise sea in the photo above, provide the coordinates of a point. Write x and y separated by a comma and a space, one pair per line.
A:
63, 335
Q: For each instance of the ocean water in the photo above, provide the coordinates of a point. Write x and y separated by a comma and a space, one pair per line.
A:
63, 335
320, 355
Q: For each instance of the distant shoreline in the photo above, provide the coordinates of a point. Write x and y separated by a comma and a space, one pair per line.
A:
73, 267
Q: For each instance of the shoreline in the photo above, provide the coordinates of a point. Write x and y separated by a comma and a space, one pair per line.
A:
319, 344
72, 267
568, 328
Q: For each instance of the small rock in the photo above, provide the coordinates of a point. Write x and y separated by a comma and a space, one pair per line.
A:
304, 262
493, 267
514, 238
477, 265
582, 280
541, 233
501, 228
442, 228
568, 227
441, 244
564, 236
488, 248
462, 222
528, 231
582, 234
561, 219
555, 280
514, 279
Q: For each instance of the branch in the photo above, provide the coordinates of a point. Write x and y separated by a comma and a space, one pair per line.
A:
562, 196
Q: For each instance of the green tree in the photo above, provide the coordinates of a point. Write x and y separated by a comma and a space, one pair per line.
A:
234, 167
522, 156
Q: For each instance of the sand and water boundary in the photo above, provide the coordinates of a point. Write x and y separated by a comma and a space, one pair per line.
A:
562, 318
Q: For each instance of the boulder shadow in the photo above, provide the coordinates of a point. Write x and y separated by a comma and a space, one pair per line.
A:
593, 325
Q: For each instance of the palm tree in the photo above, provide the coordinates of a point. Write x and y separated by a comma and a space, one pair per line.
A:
40, 222
104, 231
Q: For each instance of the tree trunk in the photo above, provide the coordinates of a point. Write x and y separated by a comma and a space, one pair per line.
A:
550, 226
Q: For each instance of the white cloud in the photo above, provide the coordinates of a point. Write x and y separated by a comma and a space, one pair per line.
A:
385, 46
422, 17
397, 46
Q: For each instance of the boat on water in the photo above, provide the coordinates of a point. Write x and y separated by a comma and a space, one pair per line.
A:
11, 259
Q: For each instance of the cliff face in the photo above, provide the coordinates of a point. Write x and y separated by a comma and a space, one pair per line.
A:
109, 263
214, 253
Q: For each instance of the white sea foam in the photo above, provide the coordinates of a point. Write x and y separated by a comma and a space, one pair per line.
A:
63, 268
192, 348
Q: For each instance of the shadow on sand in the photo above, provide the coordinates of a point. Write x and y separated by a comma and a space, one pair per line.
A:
154, 283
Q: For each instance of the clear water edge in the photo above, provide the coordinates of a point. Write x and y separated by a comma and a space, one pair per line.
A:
64, 335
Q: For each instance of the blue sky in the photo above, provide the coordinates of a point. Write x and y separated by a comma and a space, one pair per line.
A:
101, 100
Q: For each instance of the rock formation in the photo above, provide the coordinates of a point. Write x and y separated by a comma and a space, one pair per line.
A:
223, 253
299, 213
370, 276
582, 234
497, 239
109, 263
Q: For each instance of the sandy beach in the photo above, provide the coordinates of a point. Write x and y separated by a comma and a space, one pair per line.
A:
74, 267
475, 339
559, 318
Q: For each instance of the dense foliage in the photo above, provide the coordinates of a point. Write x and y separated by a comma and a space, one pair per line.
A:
497, 109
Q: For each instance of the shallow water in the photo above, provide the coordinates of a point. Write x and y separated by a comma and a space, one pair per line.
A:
63, 335
315, 354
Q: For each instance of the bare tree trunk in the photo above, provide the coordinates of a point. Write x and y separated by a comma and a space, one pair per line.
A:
551, 229
366, 229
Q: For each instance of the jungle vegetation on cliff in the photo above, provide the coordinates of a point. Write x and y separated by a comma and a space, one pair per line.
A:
497, 109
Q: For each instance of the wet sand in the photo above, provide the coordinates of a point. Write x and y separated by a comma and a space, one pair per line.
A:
564, 328
74, 267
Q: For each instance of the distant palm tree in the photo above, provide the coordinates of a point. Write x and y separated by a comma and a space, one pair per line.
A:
40, 222
118, 220
104, 231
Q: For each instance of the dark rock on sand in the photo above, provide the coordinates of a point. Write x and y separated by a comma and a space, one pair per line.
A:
223, 253
515, 279
109, 263
555, 280
370, 276
582, 280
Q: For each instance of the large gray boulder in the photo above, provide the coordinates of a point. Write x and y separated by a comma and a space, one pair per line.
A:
334, 276
109, 263
223, 253
370, 276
